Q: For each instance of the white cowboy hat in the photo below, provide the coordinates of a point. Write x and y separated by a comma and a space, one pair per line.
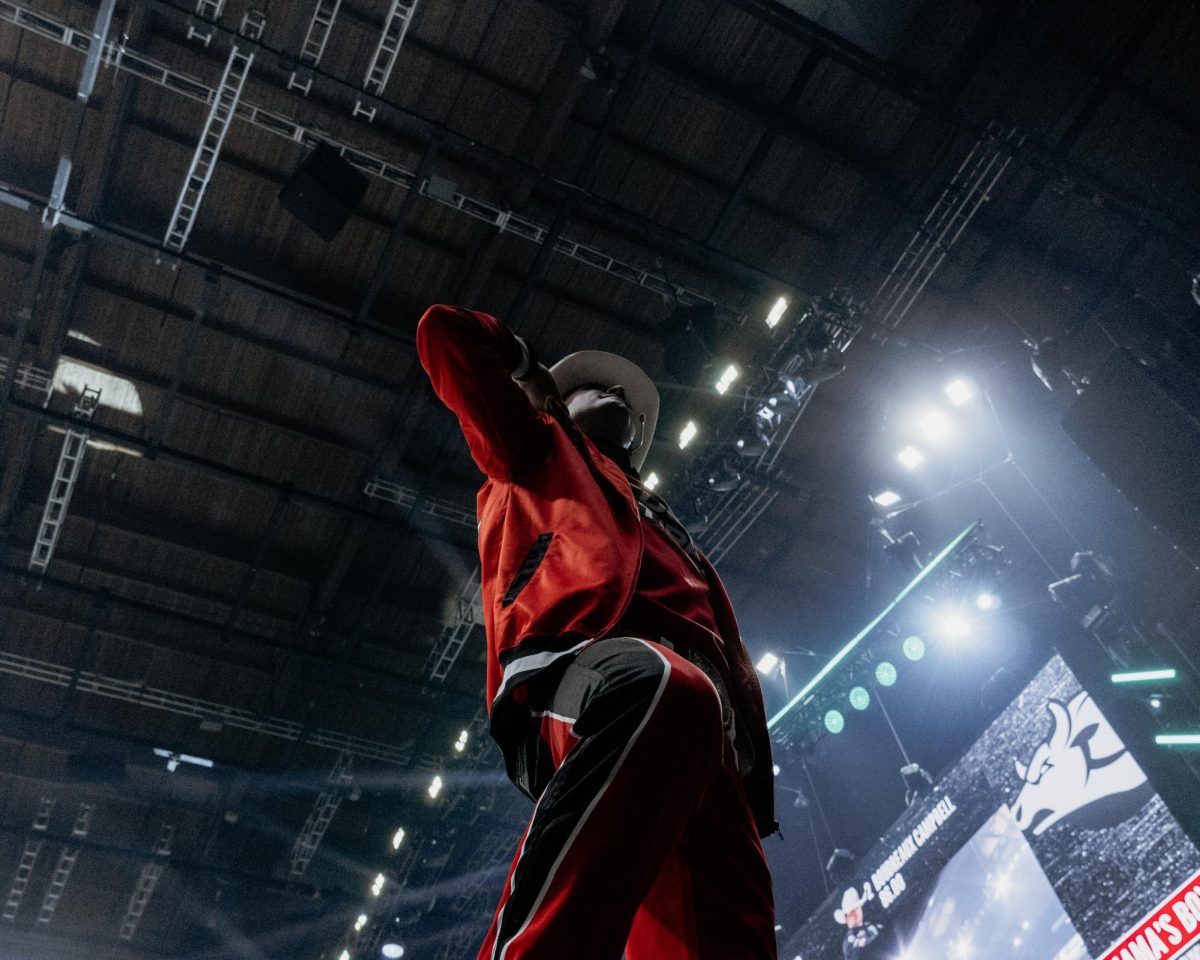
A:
850, 901
600, 368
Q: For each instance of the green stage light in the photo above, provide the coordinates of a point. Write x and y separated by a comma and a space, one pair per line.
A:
859, 698
1163, 739
914, 648
885, 674
834, 721
1144, 676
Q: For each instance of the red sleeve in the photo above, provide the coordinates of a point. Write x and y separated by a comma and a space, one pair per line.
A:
470, 357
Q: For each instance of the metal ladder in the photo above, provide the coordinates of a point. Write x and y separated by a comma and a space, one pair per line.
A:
313, 48
65, 865
204, 160
28, 861
147, 882
321, 815
384, 59
63, 485
454, 635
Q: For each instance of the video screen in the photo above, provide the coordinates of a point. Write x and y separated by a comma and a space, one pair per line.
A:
1046, 841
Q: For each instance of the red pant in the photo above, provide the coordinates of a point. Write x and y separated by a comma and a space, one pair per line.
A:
643, 840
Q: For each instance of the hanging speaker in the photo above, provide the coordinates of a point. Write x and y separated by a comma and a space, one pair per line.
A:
324, 191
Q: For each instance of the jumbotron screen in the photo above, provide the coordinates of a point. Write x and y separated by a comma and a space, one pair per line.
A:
1046, 841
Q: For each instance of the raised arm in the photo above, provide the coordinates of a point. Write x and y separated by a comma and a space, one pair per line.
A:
471, 359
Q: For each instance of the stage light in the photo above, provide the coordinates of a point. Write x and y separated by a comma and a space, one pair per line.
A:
724, 477
859, 698
651, 482
687, 434
727, 378
377, 886
435, 787
397, 838
958, 391
986, 600
775, 769
766, 663
886, 499
777, 312
885, 674
834, 721
360, 922
461, 743
936, 426
1001, 886
914, 648
1142, 676
911, 457
917, 782
344, 955
953, 625
393, 951
1177, 739
1155, 701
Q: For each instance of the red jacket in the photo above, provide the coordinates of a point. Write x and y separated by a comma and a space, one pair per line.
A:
560, 538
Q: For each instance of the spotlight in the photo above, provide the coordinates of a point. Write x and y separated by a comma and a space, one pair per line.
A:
914, 648
752, 439
687, 434
435, 787
859, 698
397, 838
953, 625
777, 312
461, 743
724, 478
834, 721
360, 922
885, 674
344, 955
886, 499
766, 663
911, 457
393, 951
840, 865
1155, 701
652, 481
775, 769
917, 782
727, 378
377, 886
986, 600
958, 391
936, 426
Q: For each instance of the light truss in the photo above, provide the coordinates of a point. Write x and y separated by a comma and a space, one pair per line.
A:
66, 473
29, 858
956, 206
156, 698
380, 488
147, 882
325, 807
468, 606
383, 61
313, 48
208, 12
120, 57
66, 865
204, 159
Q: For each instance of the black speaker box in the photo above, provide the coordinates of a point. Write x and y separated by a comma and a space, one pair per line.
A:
324, 191
1146, 442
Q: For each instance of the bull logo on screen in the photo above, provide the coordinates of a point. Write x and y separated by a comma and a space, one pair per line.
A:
1081, 772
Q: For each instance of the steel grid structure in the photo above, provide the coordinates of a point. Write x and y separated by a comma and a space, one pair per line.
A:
468, 606
147, 882
380, 488
325, 807
31, 377
65, 865
29, 858
135, 692
66, 473
118, 56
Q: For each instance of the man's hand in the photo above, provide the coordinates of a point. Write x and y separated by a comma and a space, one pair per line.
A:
539, 386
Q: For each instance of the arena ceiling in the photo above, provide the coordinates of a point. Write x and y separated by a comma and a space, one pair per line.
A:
226, 586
